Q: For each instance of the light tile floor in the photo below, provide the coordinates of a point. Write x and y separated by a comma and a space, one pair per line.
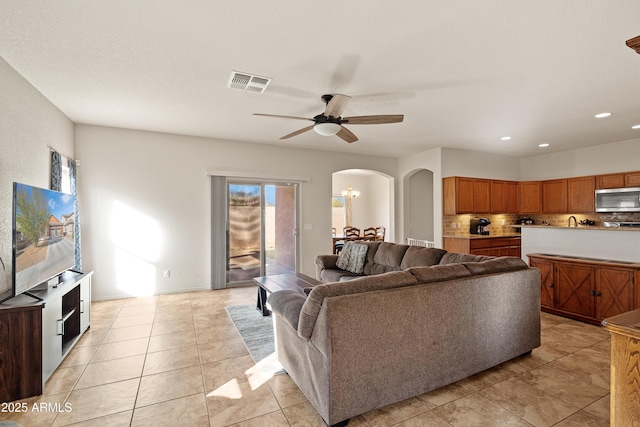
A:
178, 360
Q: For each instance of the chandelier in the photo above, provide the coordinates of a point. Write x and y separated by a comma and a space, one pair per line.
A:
350, 193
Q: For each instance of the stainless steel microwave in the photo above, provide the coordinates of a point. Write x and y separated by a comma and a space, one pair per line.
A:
618, 200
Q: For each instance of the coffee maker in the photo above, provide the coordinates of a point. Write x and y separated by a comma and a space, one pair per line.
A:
479, 226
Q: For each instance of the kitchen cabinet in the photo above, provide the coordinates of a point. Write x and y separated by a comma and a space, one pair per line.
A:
488, 245
530, 197
547, 285
614, 180
554, 196
481, 196
504, 197
618, 180
585, 289
581, 194
632, 179
625, 376
465, 195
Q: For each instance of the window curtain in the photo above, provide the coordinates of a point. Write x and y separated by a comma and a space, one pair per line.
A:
56, 184
56, 171
74, 191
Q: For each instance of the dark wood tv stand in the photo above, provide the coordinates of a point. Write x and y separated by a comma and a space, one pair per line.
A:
35, 336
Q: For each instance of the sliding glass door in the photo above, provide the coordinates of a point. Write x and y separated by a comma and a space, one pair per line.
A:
262, 230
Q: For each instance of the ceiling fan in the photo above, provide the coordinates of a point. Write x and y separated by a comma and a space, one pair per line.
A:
330, 122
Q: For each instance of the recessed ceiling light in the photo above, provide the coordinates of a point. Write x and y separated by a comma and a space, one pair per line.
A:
635, 127
543, 145
602, 115
505, 138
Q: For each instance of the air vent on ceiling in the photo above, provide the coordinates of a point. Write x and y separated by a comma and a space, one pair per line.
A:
248, 82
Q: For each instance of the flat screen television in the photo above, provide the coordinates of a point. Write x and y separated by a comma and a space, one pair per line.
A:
43, 235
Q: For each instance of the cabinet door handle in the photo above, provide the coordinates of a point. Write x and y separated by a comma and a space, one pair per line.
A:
592, 293
81, 306
598, 293
60, 326
551, 285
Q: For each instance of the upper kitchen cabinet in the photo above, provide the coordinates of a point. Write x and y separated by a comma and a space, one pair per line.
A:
581, 194
530, 197
614, 180
465, 195
632, 179
504, 197
554, 196
618, 180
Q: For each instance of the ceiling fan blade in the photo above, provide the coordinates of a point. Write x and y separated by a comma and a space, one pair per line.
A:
282, 117
374, 120
298, 132
347, 135
336, 106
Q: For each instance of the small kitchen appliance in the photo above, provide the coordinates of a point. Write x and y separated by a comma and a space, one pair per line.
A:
479, 226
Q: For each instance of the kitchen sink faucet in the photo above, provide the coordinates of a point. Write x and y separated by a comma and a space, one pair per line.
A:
575, 221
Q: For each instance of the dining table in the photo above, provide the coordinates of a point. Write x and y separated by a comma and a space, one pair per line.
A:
339, 238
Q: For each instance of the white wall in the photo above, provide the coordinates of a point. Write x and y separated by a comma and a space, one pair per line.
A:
29, 123
479, 165
607, 158
145, 200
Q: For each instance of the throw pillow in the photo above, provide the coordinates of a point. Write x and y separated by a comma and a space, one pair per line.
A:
352, 257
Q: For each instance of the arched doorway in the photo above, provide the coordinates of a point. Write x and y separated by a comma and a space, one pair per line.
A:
418, 205
374, 205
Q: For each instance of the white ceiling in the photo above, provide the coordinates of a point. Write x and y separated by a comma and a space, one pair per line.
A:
464, 73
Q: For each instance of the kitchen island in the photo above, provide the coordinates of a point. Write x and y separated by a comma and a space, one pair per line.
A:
613, 243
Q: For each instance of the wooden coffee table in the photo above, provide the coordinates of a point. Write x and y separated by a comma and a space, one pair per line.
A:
281, 282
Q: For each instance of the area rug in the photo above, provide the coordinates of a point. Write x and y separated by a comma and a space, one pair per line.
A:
256, 331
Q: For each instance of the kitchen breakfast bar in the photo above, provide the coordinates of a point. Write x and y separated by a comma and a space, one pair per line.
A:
609, 243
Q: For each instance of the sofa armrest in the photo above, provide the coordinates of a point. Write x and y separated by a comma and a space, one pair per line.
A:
287, 304
324, 262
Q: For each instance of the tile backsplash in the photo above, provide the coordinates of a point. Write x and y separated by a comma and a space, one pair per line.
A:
458, 225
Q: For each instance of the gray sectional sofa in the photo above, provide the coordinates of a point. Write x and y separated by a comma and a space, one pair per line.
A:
397, 332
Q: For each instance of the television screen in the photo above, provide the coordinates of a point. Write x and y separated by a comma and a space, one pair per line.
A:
43, 238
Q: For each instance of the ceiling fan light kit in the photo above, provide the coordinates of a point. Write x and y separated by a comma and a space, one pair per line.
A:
327, 129
330, 122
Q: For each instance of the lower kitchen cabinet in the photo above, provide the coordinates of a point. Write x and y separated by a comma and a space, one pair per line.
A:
485, 245
585, 289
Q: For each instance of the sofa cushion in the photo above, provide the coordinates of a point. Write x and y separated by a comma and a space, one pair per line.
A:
417, 256
456, 258
387, 257
439, 273
352, 257
311, 308
496, 265
288, 304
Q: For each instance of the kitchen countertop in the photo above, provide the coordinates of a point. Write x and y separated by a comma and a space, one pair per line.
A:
580, 227
483, 236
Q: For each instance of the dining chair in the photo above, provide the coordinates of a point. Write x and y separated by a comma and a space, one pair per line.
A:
369, 233
380, 233
349, 233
